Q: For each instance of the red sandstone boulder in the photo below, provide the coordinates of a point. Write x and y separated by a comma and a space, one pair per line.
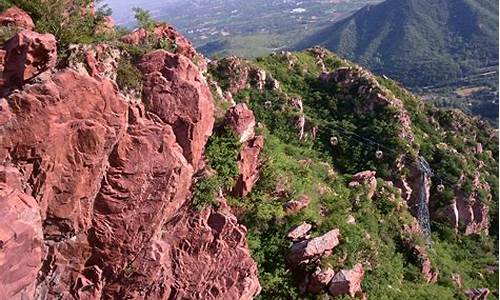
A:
319, 280
83, 118
347, 281
16, 17
365, 178
20, 243
176, 91
304, 251
28, 54
299, 232
294, 206
477, 294
242, 120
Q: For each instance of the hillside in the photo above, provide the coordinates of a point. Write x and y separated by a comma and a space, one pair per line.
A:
418, 42
133, 168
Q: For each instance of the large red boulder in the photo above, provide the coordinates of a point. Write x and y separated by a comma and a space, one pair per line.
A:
347, 281
60, 134
28, 54
176, 91
304, 251
21, 244
16, 17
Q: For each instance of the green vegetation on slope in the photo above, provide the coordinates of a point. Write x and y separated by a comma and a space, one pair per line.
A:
312, 167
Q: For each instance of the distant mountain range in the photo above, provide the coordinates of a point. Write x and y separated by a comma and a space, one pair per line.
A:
240, 27
418, 42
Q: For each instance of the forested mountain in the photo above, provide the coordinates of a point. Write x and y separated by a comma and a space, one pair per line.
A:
418, 42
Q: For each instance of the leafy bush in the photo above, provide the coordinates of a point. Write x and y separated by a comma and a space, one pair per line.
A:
75, 25
222, 153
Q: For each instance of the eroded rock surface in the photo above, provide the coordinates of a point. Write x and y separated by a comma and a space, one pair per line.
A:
304, 251
176, 91
110, 181
16, 17
28, 53
21, 243
347, 281
242, 120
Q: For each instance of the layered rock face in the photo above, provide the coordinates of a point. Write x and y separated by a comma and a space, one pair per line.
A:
95, 187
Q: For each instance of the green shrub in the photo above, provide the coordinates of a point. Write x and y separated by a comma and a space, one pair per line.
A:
128, 76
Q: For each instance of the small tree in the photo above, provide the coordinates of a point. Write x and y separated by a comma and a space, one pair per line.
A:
144, 19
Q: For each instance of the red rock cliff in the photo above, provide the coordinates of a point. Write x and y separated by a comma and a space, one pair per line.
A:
95, 190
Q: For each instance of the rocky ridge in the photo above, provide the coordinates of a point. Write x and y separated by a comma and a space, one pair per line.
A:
97, 184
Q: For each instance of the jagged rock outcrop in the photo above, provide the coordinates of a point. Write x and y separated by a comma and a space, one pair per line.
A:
165, 32
367, 179
241, 75
175, 91
241, 120
468, 212
21, 246
347, 281
16, 17
318, 281
96, 187
249, 164
419, 252
28, 54
305, 251
95, 60
299, 232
